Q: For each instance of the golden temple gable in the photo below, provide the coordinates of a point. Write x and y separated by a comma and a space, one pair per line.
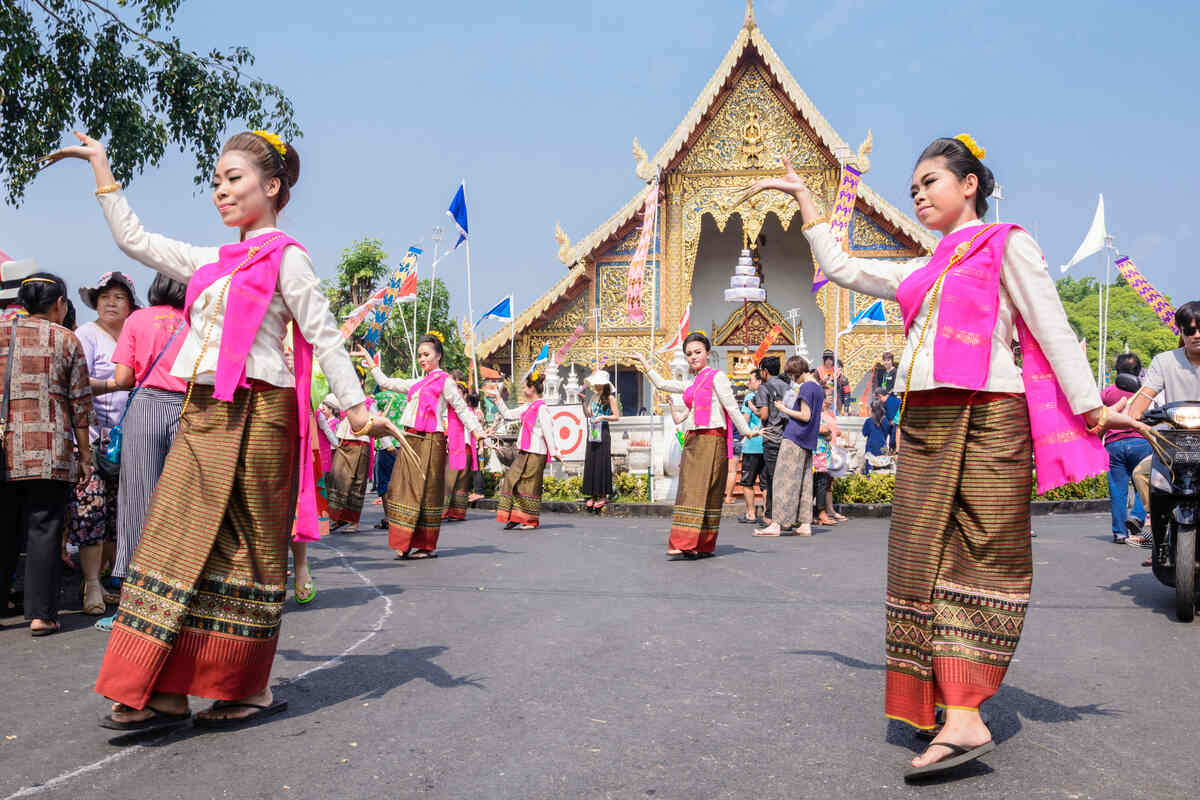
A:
750, 114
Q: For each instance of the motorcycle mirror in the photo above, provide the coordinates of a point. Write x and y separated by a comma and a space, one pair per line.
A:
1127, 382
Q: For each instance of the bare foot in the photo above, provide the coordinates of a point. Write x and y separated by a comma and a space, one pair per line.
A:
233, 711
963, 728
159, 702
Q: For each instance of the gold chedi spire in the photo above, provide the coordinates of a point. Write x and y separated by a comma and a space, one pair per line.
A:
750, 24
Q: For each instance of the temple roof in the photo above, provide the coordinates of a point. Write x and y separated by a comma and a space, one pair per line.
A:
749, 37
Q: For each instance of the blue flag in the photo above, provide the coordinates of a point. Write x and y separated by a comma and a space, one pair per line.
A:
502, 310
458, 213
873, 312
543, 354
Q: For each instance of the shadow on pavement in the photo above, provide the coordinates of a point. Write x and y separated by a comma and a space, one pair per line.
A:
1146, 592
479, 549
358, 677
1003, 712
341, 597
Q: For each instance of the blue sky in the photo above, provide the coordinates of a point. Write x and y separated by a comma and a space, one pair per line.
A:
536, 104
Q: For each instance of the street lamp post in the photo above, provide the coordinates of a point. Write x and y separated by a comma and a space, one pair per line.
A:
437, 238
998, 195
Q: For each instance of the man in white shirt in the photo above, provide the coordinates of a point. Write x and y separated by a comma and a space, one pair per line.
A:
1175, 375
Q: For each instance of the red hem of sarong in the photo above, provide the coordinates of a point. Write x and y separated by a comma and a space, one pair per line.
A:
909, 699
402, 538
519, 517
201, 664
455, 514
344, 515
689, 539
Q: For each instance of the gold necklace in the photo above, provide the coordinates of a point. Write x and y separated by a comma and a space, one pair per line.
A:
212, 316
959, 253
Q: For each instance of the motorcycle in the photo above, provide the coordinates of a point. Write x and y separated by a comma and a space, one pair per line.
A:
1174, 495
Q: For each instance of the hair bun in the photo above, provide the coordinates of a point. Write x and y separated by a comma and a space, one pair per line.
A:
291, 166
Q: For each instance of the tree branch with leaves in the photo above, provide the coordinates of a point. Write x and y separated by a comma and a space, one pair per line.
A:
121, 76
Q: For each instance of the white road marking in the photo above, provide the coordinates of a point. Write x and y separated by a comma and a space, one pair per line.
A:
53, 783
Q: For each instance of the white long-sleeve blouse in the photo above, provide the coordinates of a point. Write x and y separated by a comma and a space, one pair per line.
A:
297, 296
450, 399
722, 398
1026, 288
542, 438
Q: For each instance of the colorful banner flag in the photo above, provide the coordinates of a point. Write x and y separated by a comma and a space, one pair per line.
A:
872, 313
680, 333
359, 315
561, 354
767, 341
402, 288
1154, 298
843, 213
637, 265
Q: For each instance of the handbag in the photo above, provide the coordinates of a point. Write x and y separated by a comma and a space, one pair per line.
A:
12, 345
108, 464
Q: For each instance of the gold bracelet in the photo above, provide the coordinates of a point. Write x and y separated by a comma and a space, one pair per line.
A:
1099, 426
812, 223
362, 431
110, 187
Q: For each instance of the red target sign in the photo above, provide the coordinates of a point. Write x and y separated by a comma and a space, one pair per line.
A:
570, 431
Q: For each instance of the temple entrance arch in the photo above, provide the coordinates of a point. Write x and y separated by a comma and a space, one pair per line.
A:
785, 260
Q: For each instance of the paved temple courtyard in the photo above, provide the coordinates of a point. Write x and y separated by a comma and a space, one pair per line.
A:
576, 661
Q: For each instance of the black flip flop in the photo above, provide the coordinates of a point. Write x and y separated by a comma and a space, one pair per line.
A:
160, 721
55, 628
509, 526
959, 755
228, 724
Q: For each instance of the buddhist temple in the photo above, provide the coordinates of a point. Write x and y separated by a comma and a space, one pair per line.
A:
750, 114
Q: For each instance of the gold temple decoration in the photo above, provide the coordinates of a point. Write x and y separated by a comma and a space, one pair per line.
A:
564, 244
749, 24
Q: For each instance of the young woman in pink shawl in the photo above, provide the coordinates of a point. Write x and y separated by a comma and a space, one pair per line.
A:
435, 420
974, 424
709, 412
203, 596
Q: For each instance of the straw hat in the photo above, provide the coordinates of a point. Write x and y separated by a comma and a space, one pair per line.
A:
599, 378
11, 275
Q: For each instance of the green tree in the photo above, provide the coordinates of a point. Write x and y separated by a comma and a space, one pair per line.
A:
360, 272
1130, 321
114, 70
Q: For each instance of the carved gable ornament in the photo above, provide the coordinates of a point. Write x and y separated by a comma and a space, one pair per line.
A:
750, 131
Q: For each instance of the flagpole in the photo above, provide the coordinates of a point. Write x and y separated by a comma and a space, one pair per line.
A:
653, 326
437, 238
512, 336
470, 305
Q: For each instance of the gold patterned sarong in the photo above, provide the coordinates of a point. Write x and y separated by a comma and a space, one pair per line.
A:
960, 561
521, 490
703, 470
347, 485
201, 604
414, 498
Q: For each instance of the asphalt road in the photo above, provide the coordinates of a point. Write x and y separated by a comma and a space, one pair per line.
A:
576, 662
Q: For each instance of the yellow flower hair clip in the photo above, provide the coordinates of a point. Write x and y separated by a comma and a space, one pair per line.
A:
972, 145
535, 376
702, 333
273, 140
437, 335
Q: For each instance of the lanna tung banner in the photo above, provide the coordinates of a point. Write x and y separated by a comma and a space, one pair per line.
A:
1153, 297
766, 343
402, 288
843, 213
637, 265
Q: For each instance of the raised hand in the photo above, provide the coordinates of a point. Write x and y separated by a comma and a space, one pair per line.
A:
88, 149
789, 182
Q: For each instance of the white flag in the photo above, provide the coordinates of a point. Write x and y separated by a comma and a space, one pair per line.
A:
1094, 241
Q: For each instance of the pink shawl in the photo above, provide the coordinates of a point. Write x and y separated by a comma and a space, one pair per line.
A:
699, 397
250, 292
528, 420
1064, 452
428, 392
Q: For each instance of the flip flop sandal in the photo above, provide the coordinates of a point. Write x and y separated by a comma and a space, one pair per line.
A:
402, 556
105, 623
509, 526
160, 720
422, 554
746, 520
959, 755
527, 527
765, 532
229, 723
45, 631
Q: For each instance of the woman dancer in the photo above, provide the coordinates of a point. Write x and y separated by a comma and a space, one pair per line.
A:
416, 491
351, 469
696, 520
959, 556
460, 482
521, 490
202, 600
600, 409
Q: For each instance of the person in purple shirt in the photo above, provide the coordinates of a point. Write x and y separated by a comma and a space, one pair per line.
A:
793, 485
